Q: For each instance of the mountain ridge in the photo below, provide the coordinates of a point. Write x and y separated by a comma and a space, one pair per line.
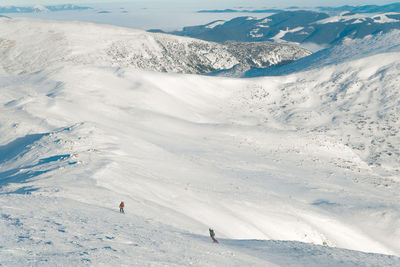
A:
40, 8
135, 48
297, 27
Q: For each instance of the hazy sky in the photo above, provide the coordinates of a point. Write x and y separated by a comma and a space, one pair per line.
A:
209, 3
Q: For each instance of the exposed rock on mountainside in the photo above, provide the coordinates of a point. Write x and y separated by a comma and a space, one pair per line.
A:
194, 56
125, 47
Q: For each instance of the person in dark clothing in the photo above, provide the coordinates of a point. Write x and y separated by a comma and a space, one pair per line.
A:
121, 207
212, 235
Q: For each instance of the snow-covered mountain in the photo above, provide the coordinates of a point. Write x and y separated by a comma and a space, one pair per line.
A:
40, 8
394, 7
349, 50
300, 26
362, 68
295, 170
124, 47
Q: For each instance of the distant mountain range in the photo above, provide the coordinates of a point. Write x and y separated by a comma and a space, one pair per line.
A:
299, 27
40, 8
395, 7
229, 10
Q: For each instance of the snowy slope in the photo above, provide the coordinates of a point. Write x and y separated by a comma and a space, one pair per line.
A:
362, 81
123, 47
273, 164
355, 18
349, 50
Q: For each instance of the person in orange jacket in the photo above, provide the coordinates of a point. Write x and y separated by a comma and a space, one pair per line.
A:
121, 207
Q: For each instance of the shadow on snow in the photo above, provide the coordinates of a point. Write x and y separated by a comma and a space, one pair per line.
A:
17, 149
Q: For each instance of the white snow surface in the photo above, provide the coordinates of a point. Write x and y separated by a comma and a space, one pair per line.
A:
297, 170
57, 41
215, 24
278, 38
125, 47
350, 50
359, 18
255, 33
40, 8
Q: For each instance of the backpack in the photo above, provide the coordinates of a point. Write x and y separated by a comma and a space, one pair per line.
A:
212, 234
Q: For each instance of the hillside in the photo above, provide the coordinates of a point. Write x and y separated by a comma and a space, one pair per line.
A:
292, 170
348, 51
124, 47
394, 7
303, 27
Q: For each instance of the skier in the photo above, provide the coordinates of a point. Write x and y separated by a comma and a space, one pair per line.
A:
121, 207
212, 234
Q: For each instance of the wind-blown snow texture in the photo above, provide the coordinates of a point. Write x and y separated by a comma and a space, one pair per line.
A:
292, 170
